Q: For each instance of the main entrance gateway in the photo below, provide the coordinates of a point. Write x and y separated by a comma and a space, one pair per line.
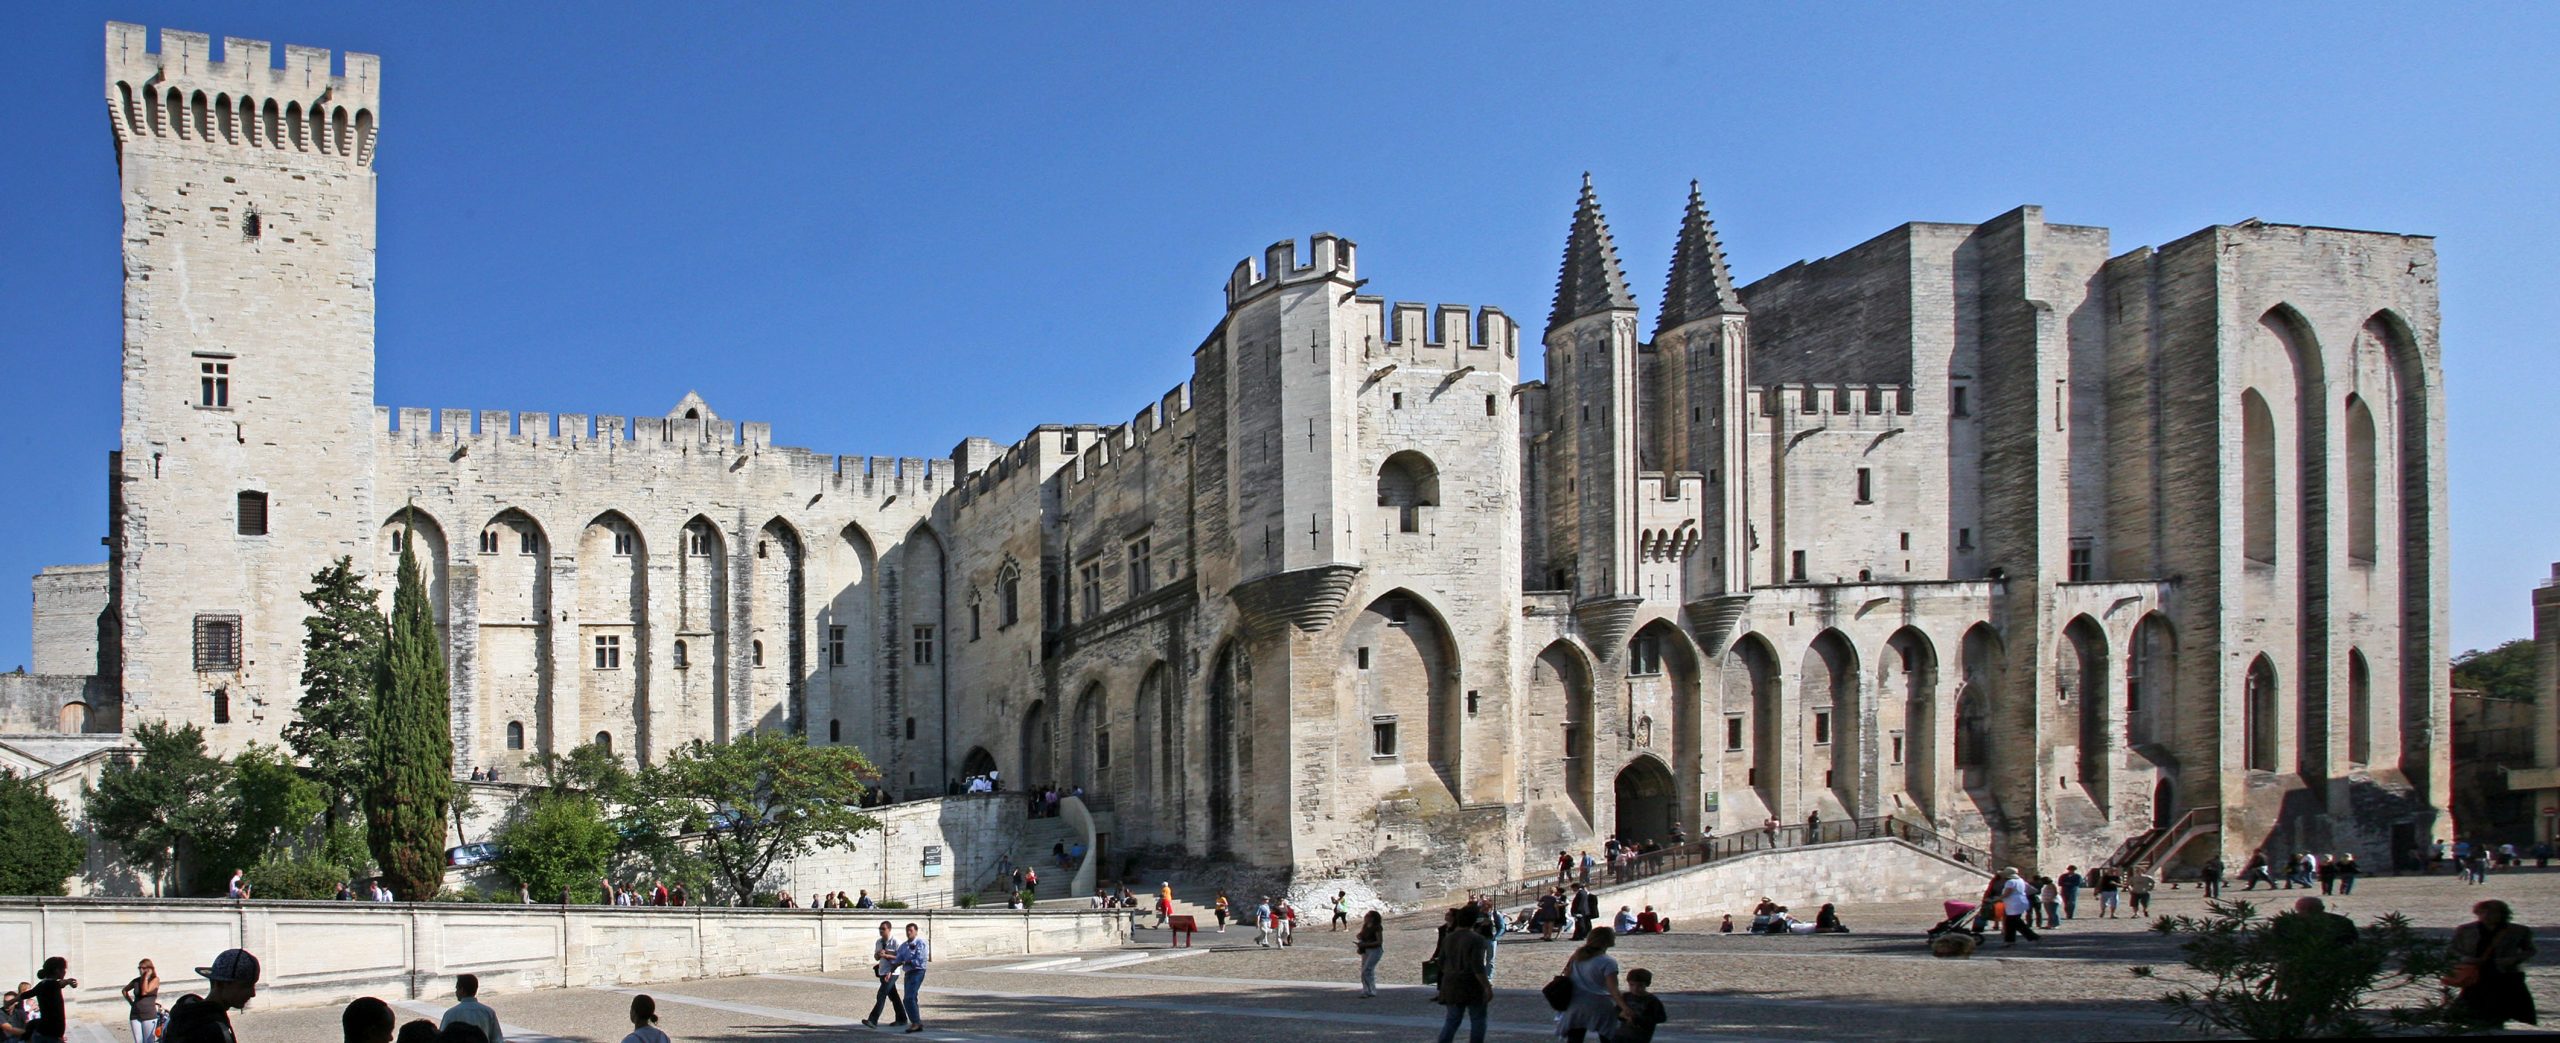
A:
1645, 801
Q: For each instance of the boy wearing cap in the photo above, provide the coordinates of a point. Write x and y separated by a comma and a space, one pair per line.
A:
232, 982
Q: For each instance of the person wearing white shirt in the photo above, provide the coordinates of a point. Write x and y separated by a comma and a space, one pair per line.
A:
2016, 898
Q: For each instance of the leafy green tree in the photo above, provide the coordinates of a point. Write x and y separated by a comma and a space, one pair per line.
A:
342, 642
164, 808
38, 852
2504, 672
558, 840
2302, 975
271, 809
296, 877
409, 745
761, 797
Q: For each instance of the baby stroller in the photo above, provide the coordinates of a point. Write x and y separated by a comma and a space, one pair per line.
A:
1959, 920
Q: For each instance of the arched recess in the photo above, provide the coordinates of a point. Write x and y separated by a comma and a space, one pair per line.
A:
1230, 740
72, 717
700, 681
516, 660
2257, 478
1403, 668
916, 700
2150, 683
2303, 440
1560, 691
1828, 680
2080, 666
1752, 685
1408, 483
1917, 659
978, 762
2362, 483
1647, 801
1088, 744
1981, 654
1667, 692
1151, 798
417, 530
613, 630
2259, 699
847, 633
2359, 708
2406, 664
778, 599
1039, 739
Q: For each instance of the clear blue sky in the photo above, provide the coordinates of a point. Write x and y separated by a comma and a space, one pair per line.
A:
883, 228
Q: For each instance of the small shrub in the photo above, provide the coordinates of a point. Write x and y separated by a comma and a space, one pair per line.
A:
892, 904
2300, 975
295, 879
967, 902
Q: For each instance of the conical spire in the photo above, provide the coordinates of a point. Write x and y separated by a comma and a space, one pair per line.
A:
1701, 284
1591, 280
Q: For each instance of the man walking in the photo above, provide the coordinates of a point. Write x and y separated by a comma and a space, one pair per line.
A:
2071, 883
2141, 887
468, 1010
1262, 931
912, 956
1586, 908
884, 966
2211, 875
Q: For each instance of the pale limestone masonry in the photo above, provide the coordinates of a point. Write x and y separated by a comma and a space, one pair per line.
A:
317, 953
1858, 873
1987, 526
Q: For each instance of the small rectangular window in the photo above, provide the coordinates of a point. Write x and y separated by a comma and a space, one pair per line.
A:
1866, 485
911, 731
1644, 655
1396, 400
213, 383
976, 630
621, 544
1102, 749
1142, 565
1822, 727
2080, 560
1733, 733
488, 541
608, 652
1906, 541
1363, 657
1795, 573
527, 542
222, 706
1399, 612
1382, 737
1955, 404
697, 542
924, 646
835, 646
1897, 748
1489, 408
1092, 575
1964, 539
1474, 701
217, 643
253, 514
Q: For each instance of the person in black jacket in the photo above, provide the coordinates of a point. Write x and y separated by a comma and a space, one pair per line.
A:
49, 1024
231, 982
1586, 908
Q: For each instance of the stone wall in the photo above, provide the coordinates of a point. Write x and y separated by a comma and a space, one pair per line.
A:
68, 602
318, 953
1854, 873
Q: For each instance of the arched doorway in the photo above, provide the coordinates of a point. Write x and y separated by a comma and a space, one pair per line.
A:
2164, 803
1645, 801
1037, 769
978, 762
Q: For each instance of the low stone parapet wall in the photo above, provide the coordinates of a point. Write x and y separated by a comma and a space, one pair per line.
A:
329, 952
1852, 873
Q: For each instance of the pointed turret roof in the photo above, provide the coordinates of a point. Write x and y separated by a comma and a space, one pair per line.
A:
1701, 283
1591, 281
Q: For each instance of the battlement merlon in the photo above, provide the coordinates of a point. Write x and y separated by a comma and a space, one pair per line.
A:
180, 92
1329, 256
1411, 325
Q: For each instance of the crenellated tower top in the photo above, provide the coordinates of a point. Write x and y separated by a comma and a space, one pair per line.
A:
179, 93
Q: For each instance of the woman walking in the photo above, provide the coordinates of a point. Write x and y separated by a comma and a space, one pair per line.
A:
1598, 1004
1464, 986
1371, 944
1223, 912
142, 997
2489, 955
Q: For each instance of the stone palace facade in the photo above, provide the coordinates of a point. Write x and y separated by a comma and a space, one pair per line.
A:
1986, 526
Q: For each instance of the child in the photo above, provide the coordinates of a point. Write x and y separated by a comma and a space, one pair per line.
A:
1644, 1005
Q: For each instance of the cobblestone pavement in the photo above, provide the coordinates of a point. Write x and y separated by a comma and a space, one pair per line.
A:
1877, 983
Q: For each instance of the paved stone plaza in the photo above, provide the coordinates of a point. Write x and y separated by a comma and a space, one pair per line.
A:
1873, 984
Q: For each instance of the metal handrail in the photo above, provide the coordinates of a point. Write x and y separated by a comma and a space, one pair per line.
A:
2144, 848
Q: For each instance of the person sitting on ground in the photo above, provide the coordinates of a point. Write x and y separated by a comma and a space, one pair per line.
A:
1727, 926
1625, 923
1649, 923
1644, 1010
1827, 921
368, 1020
468, 1010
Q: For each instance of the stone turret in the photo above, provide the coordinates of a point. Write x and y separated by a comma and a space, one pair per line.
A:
1593, 404
1702, 337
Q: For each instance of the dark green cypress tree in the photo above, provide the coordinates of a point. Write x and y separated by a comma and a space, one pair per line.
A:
410, 746
341, 661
